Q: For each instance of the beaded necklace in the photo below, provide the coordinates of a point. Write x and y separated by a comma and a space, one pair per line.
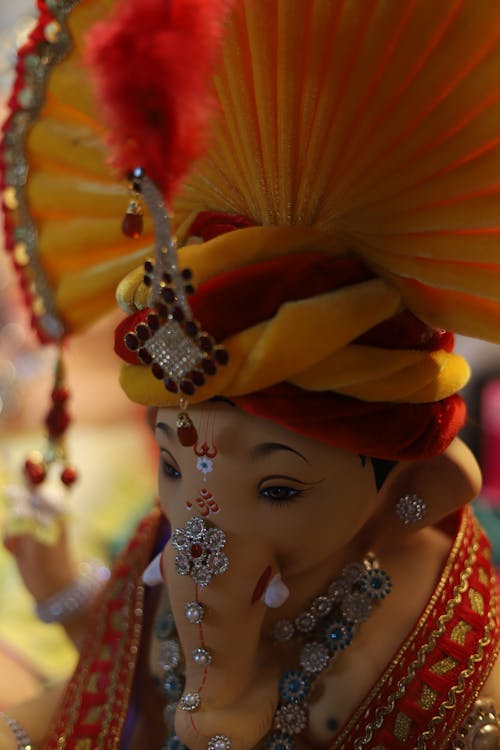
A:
325, 629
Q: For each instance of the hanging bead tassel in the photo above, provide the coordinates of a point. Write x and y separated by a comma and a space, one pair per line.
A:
132, 224
186, 431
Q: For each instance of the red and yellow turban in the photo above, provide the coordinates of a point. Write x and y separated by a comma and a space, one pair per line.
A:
346, 207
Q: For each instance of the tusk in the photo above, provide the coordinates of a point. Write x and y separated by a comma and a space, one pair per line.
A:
152, 575
276, 593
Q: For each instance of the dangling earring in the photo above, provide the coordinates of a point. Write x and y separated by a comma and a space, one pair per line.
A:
132, 223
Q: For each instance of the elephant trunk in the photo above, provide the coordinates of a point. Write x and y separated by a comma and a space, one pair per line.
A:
235, 681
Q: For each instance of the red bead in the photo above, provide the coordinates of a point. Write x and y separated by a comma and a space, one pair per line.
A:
60, 395
57, 422
69, 475
132, 225
35, 471
196, 550
221, 356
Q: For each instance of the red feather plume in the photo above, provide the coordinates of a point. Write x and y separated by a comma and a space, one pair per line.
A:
151, 62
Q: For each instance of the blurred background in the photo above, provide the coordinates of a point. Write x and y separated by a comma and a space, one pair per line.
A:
108, 443
112, 493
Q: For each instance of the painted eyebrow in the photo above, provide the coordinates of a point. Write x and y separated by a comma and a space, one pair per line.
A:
163, 427
262, 450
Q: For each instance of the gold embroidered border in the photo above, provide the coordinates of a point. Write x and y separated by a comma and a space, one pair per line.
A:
356, 718
464, 675
383, 711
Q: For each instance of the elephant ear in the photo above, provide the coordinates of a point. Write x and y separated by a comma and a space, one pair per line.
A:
63, 201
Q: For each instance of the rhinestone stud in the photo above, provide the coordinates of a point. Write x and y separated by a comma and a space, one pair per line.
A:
219, 742
195, 612
202, 657
411, 509
190, 701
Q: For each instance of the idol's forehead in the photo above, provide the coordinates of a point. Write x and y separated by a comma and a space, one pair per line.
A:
238, 433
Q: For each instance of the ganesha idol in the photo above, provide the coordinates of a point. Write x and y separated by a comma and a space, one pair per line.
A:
313, 201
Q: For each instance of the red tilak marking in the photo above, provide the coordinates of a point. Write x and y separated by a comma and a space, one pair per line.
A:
261, 584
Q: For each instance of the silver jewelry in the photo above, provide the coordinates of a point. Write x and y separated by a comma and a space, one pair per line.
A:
330, 622
219, 742
481, 729
190, 701
23, 741
199, 551
411, 509
76, 597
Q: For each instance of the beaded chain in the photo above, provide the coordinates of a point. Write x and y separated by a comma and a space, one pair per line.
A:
329, 624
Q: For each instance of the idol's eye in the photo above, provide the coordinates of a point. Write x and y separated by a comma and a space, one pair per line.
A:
168, 468
280, 493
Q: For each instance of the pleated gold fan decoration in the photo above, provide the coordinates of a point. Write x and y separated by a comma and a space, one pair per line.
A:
376, 122
64, 205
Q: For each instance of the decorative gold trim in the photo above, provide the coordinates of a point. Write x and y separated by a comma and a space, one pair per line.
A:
356, 720
451, 702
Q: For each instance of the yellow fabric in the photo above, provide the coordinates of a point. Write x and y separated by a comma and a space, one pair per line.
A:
349, 127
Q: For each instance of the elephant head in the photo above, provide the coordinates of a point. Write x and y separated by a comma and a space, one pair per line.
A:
277, 508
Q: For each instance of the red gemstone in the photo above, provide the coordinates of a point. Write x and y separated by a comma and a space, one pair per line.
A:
189, 289
197, 377
143, 332
153, 321
157, 371
186, 274
171, 385
132, 225
148, 267
196, 550
145, 356
69, 475
221, 356
35, 471
187, 435
209, 366
168, 295
191, 328
131, 341
205, 343
187, 387
147, 280
178, 313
